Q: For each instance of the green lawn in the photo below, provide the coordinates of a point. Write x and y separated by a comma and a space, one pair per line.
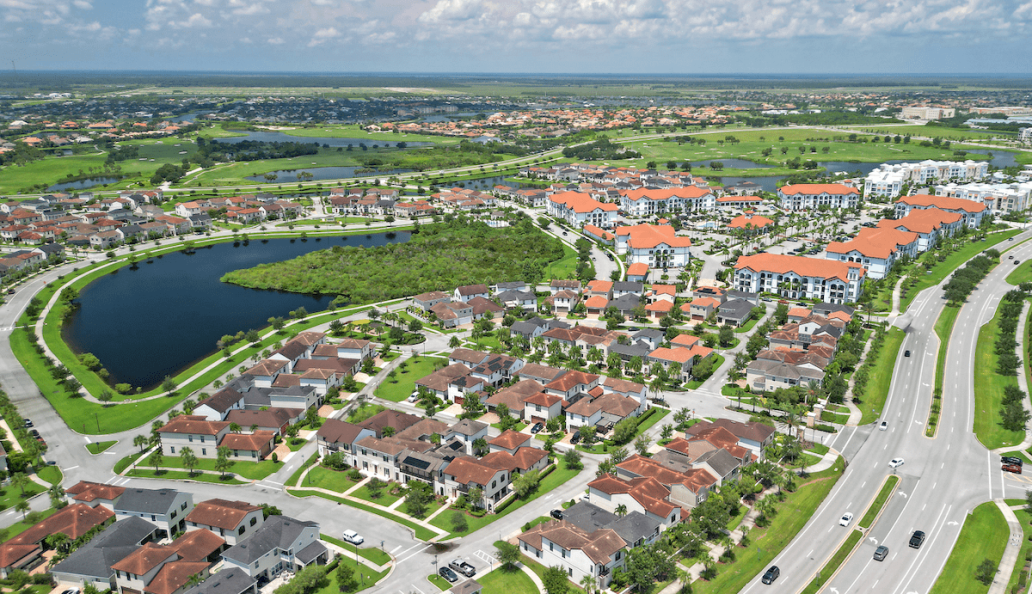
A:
126, 462
51, 474
564, 268
768, 542
836, 560
11, 495
329, 479
441, 583
881, 377
403, 385
989, 387
500, 581
539, 570
1022, 274
183, 475
385, 499
945, 268
430, 508
97, 447
1026, 545
371, 553
296, 443
292, 481
559, 476
246, 469
984, 536
421, 532
944, 330
879, 501
366, 577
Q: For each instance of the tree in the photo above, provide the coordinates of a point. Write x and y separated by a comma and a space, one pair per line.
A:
345, 577
156, 459
458, 522
508, 554
555, 581
625, 430
475, 496
526, 483
621, 510
646, 565
572, 458
23, 507
726, 335
188, 459
168, 385
20, 480
375, 488
986, 571
307, 581
222, 461
641, 444
56, 494
141, 441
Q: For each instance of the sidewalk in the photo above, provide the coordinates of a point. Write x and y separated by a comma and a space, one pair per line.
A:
1010, 554
1022, 383
826, 462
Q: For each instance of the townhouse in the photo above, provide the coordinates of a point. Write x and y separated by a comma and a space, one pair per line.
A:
165, 508
195, 432
281, 544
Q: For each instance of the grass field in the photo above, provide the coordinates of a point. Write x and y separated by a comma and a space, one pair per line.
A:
768, 542
1022, 274
11, 495
539, 570
879, 501
441, 583
559, 476
355, 131
945, 268
183, 475
51, 474
952, 134
881, 377
564, 268
944, 330
989, 387
325, 478
366, 577
250, 470
371, 553
982, 537
402, 386
385, 499
97, 447
500, 581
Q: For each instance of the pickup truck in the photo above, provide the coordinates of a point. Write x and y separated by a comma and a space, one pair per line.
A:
462, 567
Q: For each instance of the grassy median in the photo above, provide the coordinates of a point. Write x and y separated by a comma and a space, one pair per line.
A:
881, 377
989, 386
984, 536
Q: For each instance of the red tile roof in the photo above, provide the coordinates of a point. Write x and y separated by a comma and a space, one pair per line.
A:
807, 267
816, 189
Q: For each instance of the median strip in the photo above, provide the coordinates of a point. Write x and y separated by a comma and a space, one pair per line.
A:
944, 330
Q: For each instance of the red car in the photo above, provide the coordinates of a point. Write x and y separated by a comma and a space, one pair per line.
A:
1012, 468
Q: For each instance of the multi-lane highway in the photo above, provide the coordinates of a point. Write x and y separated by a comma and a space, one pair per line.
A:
942, 478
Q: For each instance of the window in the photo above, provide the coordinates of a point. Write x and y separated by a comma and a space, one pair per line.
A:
172, 449
254, 521
183, 507
202, 439
204, 451
190, 438
172, 515
241, 530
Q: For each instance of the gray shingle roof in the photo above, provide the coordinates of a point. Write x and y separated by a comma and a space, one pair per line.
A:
309, 553
228, 581
149, 501
277, 532
109, 547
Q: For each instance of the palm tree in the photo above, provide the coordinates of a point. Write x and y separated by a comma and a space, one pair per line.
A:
588, 583
141, 442
621, 510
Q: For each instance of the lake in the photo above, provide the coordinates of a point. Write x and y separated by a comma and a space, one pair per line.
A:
732, 164
321, 173
82, 184
160, 318
333, 142
1000, 159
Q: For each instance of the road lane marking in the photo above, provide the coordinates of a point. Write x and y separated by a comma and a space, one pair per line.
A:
920, 558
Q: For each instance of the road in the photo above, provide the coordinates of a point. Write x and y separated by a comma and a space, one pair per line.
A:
942, 479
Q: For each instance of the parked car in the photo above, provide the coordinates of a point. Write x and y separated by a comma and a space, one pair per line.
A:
881, 553
917, 539
846, 519
448, 574
34, 432
350, 536
413, 397
771, 574
27, 423
556, 513
1012, 460
537, 428
884, 425
1011, 468
462, 567
71, 591
895, 462
576, 437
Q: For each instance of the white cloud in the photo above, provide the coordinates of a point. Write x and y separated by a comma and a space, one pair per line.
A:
322, 36
275, 40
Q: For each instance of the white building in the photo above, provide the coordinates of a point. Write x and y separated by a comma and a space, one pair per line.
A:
798, 277
877, 249
644, 202
971, 211
927, 113
579, 209
1025, 135
999, 198
658, 246
812, 196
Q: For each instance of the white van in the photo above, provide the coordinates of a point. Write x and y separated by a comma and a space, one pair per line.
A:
350, 536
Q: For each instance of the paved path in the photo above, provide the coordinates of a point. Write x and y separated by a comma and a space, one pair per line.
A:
1010, 554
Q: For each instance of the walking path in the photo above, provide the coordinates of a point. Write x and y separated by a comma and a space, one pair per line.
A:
826, 462
1022, 382
1010, 553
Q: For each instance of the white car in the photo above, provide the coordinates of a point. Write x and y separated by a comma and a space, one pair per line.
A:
352, 537
413, 397
846, 519
895, 462
884, 425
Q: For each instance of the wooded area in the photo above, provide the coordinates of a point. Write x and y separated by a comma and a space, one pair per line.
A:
438, 257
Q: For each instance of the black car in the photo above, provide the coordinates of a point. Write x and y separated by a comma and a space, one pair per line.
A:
906, 353
537, 428
771, 574
576, 438
917, 539
1012, 460
448, 574
557, 514
28, 423
34, 432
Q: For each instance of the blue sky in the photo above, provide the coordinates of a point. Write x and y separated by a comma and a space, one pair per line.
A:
520, 36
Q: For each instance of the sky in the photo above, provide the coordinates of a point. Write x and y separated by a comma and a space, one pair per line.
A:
520, 36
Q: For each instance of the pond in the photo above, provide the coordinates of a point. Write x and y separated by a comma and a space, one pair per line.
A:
333, 142
732, 164
1000, 159
82, 184
161, 317
321, 173
486, 184
769, 183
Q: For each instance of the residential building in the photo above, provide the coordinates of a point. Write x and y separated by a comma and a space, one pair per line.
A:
813, 196
972, 211
165, 508
232, 520
877, 249
579, 209
657, 246
195, 432
798, 277
91, 563
280, 544
999, 198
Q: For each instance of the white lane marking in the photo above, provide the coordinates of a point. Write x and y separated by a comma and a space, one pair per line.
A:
396, 548
920, 558
73, 467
